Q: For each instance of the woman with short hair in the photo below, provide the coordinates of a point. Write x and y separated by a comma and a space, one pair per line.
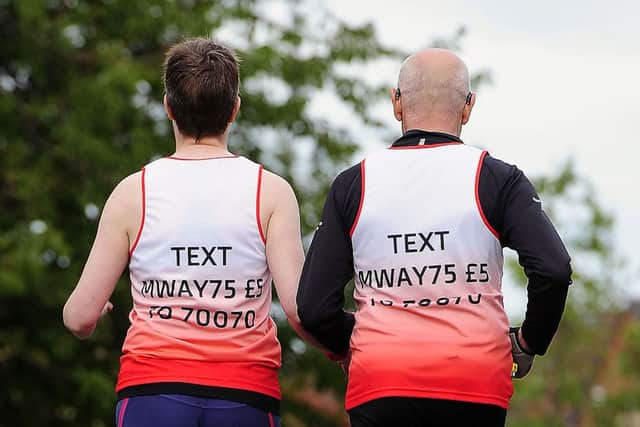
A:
203, 232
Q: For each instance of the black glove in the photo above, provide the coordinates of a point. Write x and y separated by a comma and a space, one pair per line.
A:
522, 361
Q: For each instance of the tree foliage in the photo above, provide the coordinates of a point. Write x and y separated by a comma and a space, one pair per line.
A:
591, 374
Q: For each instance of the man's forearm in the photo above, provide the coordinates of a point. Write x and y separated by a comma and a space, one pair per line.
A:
329, 267
546, 302
332, 331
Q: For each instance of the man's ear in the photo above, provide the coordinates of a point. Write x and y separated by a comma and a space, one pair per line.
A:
167, 108
466, 111
395, 101
236, 109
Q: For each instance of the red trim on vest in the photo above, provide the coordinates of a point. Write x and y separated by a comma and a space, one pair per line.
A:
144, 209
122, 409
355, 222
259, 221
231, 156
482, 215
271, 423
418, 147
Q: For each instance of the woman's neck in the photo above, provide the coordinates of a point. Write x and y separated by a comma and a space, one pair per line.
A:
210, 146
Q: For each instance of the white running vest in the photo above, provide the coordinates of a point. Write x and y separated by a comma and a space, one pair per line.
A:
199, 279
428, 271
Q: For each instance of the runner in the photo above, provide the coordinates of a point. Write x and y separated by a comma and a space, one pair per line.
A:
202, 231
420, 228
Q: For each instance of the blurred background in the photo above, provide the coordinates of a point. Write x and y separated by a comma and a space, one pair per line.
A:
80, 108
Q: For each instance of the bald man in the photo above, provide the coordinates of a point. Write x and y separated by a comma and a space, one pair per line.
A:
420, 228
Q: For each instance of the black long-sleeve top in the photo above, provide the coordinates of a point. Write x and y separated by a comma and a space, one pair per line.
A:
510, 204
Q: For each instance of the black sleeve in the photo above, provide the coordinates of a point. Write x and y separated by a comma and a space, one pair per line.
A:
514, 210
329, 267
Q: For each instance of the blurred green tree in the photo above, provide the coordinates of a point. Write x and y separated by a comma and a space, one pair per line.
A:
591, 374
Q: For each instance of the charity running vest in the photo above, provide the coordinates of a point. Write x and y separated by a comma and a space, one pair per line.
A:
200, 283
428, 268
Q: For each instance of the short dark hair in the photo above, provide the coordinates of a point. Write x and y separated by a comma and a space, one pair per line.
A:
201, 79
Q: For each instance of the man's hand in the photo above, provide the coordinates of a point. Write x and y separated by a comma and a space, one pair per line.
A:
522, 357
344, 364
106, 309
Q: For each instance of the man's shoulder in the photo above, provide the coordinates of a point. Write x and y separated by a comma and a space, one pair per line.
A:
348, 183
353, 174
499, 169
349, 175
346, 192
497, 163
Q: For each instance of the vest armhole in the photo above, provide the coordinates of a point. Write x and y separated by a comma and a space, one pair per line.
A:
362, 187
477, 196
144, 210
258, 219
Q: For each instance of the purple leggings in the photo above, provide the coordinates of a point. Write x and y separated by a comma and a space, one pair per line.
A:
177, 410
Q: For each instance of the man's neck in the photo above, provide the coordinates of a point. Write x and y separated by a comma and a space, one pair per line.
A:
431, 124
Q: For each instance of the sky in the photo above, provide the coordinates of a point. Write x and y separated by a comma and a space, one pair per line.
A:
565, 85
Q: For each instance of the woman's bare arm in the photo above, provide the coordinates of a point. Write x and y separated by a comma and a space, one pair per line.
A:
109, 255
281, 221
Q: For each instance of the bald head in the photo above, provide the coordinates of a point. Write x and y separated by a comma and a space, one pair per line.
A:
433, 83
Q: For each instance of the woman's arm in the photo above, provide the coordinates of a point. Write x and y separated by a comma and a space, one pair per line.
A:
281, 223
109, 255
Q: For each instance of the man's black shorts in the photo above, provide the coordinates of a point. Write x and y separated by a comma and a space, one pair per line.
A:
417, 412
